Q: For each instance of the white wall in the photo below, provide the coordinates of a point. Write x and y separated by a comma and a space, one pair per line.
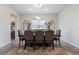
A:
30, 17
5, 24
68, 22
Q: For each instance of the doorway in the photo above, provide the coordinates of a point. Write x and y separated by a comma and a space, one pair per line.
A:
13, 26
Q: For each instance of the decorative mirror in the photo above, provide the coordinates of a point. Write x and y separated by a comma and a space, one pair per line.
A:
26, 25
50, 23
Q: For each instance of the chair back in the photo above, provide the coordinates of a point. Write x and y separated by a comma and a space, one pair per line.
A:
28, 35
58, 32
49, 35
39, 35
20, 32
20, 35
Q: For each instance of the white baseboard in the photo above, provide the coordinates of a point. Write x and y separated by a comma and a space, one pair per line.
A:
71, 44
4, 44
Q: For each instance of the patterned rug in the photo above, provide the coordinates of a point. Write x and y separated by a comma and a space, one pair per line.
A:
39, 51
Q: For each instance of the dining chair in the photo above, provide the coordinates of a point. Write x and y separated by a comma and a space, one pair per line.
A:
39, 37
29, 38
21, 37
49, 37
57, 36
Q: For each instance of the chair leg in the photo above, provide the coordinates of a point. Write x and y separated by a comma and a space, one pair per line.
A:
19, 43
34, 45
44, 46
59, 42
34, 42
56, 42
22, 41
25, 45
44, 43
53, 44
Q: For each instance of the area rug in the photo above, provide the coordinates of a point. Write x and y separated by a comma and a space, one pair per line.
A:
39, 51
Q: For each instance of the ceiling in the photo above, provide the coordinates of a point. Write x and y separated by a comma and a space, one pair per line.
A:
44, 8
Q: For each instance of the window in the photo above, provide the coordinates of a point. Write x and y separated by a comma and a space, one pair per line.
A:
38, 24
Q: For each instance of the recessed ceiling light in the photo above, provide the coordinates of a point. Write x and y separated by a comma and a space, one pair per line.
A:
37, 5
30, 9
46, 9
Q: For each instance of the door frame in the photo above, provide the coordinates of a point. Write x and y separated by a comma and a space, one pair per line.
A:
13, 15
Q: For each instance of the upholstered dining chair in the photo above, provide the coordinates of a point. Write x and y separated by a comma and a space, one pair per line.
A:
49, 37
39, 37
21, 37
29, 38
57, 36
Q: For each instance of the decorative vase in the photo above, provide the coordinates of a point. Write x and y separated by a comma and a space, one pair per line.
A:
48, 27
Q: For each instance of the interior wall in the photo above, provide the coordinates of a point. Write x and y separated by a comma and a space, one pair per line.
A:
68, 22
30, 17
5, 24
